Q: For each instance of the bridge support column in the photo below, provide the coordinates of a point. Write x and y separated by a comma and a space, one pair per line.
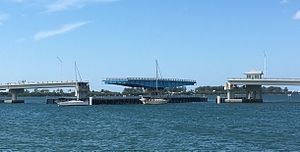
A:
13, 96
228, 94
14, 93
254, 93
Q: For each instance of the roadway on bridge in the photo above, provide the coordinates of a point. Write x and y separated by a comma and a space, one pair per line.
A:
48, 84
265, 81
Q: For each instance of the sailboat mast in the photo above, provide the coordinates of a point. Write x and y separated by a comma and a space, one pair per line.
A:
156, 72
265, 64
75, 70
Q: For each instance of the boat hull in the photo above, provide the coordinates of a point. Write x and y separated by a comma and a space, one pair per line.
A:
151, 101
73, 103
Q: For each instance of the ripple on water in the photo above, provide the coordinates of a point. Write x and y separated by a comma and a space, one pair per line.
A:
171, 127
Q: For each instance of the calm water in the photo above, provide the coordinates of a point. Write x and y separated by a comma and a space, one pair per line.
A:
35, 126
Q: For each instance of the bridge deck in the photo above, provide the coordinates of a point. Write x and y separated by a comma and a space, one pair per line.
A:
47, 84
265, 81
149, 82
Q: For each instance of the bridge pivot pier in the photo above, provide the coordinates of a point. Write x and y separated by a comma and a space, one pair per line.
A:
14, 93
253, 92
253, 95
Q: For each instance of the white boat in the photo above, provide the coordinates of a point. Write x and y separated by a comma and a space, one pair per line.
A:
76, 102
73, 103
153, 101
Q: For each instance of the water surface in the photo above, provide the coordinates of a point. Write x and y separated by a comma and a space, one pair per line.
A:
35, 126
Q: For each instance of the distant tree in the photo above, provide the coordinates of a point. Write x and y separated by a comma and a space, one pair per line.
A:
210, 90
133, 91
103, 92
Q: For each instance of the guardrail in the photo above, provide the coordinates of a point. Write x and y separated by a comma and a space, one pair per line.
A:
266, 79
149, 79
36, 83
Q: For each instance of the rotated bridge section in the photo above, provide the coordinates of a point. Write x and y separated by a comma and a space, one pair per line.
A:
149, 83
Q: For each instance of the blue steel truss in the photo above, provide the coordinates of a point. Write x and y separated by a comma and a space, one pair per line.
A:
149, 83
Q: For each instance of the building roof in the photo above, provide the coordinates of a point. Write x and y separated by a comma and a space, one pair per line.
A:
254, 72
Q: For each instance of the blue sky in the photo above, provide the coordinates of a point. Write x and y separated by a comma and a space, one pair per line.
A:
204, 40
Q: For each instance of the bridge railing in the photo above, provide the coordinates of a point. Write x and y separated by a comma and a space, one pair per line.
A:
266, 79
33, 83
148, 79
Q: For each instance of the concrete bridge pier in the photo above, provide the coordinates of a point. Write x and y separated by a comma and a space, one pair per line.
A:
228, 94
254, 93
14, 93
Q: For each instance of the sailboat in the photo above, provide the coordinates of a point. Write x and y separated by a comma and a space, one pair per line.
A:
153, 101
157, 100
76, 102
73, 103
